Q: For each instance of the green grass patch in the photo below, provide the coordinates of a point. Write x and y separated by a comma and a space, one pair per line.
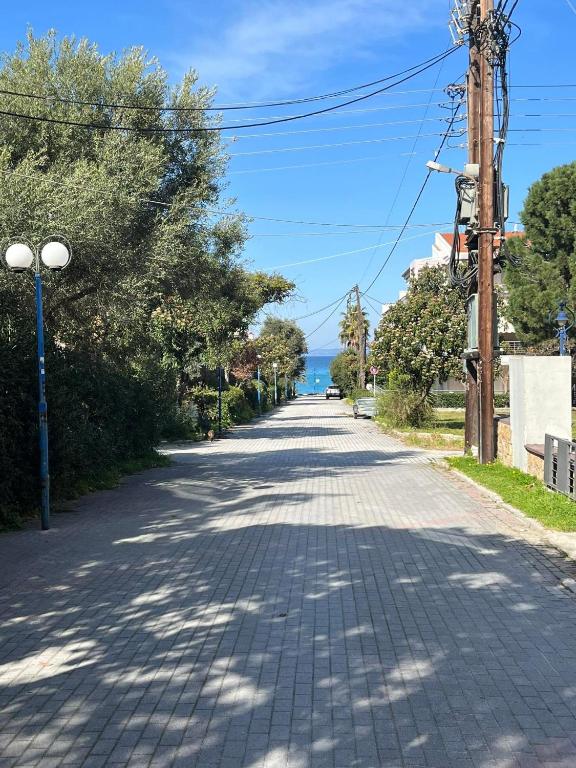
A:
99, 481
435, 441
425, 437
522, 491
110, 478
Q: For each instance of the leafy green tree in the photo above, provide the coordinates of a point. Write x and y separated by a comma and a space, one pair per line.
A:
155, 293
546, 270
421, 336
344, 371
283, 342
349, 327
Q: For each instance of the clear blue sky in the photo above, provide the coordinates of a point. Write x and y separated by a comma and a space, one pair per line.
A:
255, 50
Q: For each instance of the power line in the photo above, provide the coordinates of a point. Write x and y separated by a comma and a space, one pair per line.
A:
328, 317
377, 311
404, 174
322, 309
413, 208
217, 128
331, 146
321, 164
332, 128
373, 299
387, 227
222, 107
348, 253
219, 212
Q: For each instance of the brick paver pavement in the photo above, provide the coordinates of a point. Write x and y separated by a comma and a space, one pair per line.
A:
305, 593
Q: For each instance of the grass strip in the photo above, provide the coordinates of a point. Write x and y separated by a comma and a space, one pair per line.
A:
100, 480
522, 491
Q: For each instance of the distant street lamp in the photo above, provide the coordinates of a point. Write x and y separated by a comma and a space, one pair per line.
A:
219, 400
19, 257
565, 319
275, 366
259, 395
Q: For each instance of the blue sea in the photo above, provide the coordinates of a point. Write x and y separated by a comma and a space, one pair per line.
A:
317, 374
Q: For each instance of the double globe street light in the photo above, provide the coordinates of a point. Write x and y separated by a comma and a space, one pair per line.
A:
19, 257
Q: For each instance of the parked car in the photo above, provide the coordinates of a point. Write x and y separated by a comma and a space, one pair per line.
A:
333, 391
364, 406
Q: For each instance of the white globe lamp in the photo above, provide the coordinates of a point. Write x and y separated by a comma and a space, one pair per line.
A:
55, 255
19, 257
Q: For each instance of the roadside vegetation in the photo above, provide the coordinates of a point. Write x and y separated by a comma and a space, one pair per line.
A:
156, 299
522, 491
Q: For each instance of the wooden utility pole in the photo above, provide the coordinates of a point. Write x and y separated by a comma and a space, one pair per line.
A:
486, 243
361, 341
473, 109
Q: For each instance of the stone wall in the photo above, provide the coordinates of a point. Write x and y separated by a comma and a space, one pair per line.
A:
536, 466
535, 462
504, 444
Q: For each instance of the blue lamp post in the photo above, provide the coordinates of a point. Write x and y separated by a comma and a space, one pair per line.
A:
275, 366
259, 357
20, 257
565, 319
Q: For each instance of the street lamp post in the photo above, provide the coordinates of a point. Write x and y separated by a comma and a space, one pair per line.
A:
275, 366
259, 357
20, 257
565, 319
286, 387
219, 400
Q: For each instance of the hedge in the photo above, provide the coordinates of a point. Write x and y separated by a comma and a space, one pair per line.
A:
458, 400
99, 418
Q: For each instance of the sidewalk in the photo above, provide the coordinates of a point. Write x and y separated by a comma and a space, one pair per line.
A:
306, 592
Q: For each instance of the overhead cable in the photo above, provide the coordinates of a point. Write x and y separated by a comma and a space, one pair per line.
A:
323, 323
54, 99
414, 205
216, 128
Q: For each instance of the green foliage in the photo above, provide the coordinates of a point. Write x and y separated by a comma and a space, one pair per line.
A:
422, 335
401, 406
344, 371
449, 399
355, 394
155, 295
236, 408
523, 491
282, 342
458, 399
349, 328
547, 255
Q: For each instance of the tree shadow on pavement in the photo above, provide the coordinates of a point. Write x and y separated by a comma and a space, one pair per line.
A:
156, 627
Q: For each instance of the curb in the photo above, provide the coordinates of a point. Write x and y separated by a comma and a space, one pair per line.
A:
555, 539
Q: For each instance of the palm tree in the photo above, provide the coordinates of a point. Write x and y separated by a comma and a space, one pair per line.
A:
349, 328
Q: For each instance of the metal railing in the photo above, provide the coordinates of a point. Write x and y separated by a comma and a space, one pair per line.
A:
512, 347
559, 462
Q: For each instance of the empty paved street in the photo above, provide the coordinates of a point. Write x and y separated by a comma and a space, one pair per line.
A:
303, 593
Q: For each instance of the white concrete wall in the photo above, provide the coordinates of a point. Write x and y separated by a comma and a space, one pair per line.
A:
540, 401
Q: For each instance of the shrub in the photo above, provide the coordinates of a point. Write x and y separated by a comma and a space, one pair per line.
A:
344, 371
401, 406
356, 393
99, 417
458, 400
449, 399
238, 408
235, 407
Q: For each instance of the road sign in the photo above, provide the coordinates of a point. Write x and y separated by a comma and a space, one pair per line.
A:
374, 371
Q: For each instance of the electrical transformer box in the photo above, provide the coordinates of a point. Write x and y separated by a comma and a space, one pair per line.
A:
472, 313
